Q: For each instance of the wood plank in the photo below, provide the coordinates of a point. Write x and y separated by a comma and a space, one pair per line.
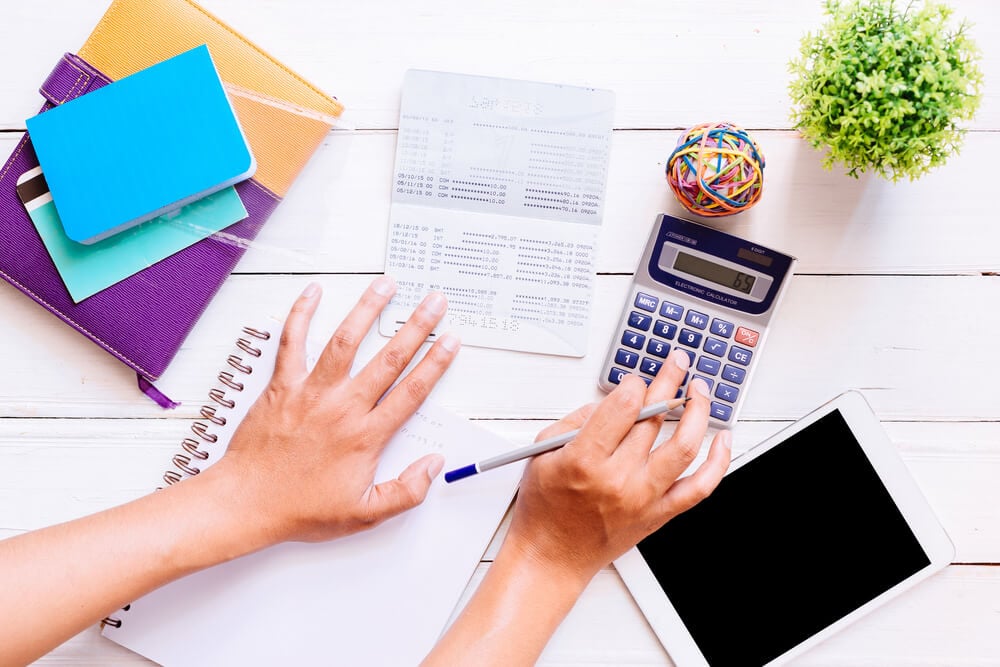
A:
645, 52
833, 334
54, 470
947, 620
335, 218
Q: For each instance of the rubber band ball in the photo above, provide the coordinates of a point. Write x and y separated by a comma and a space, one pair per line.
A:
716, 169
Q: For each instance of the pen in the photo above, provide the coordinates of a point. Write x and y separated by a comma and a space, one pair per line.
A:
548, 445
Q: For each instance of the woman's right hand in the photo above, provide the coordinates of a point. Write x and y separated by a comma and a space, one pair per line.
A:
582, 506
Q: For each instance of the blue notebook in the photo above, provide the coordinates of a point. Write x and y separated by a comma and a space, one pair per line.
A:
141, 147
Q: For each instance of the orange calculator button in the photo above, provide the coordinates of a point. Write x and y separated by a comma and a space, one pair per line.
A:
747, 336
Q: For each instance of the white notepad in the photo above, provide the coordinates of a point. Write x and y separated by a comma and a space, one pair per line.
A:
378, 597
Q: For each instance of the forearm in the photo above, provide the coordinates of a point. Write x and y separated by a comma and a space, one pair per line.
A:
57, 581
512, 615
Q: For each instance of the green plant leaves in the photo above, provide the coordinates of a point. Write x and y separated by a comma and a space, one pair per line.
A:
885, 90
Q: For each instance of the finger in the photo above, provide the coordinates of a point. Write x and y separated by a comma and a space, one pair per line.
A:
691, 490
663, 387
404, 399
406, 491
613, 417
570, 422
669, 460
290, 364
335, 362
386, 366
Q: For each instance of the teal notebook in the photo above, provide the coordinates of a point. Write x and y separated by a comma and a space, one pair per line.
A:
88, 269
141, 147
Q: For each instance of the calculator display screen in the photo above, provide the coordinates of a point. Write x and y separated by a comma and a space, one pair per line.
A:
722, 275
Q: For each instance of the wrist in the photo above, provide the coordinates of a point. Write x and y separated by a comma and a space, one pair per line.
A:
560, 569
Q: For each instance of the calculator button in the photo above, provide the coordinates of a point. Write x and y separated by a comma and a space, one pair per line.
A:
708, 381
633, 340
626, 358
680, 393
664, 329
650, 366
696, 319
707, 365
734, 374
671, 311
722, 328
727, 393
690, 355
721, 411
646, 302
616, 375
648, 381
658, 347
739, 355
715, 346
689, 338
639, 321
747, 336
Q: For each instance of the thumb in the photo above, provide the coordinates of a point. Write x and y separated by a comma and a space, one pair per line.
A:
406, 491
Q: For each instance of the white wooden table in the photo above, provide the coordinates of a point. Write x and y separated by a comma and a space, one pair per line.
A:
896, 292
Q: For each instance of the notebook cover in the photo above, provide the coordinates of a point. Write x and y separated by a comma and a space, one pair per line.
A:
143, 320
162, 138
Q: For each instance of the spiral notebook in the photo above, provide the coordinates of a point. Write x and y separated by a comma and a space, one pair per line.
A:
378, 597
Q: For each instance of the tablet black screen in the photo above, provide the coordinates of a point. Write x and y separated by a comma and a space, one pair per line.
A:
787, 544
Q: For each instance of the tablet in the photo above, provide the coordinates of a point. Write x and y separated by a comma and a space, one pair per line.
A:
807, 532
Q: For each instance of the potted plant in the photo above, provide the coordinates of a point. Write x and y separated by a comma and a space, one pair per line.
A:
884, 88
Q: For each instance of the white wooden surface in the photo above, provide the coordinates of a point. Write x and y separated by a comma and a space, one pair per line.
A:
896, 293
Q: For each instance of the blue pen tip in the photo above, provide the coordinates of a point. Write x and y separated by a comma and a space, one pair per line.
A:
460, 473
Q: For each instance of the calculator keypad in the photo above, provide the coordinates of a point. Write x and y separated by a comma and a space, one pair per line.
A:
720, 351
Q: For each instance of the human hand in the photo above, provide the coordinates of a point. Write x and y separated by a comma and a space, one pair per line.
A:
581, 506
305, 456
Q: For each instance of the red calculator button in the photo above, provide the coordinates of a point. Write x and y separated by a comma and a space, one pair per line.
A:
747, 336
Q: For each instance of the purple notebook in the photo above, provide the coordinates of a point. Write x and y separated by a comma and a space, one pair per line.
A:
143, 320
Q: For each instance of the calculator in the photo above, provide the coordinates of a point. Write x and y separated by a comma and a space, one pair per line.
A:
708, 293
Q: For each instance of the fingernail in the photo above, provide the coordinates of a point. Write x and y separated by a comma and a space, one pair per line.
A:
698, 385
449, 341
680, 359
726, 438
384, 285
311, 290
434, 468
435, 303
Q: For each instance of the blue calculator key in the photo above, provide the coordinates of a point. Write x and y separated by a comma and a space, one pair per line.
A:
633, 340
727, 393
664, 329
707, 365
720, 411
639, 321
690, 356
658, 347
680, 393
689, 338
696, 319
734, 374
715, 346
722, 328
648, 381
650, 366
626, 358
709, 381
616, 375
671, 311
646, 302
740, 356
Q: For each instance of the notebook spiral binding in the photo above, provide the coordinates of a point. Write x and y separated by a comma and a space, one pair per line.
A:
185, 462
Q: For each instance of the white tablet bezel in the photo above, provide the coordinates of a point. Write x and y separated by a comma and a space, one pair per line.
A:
665, 620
